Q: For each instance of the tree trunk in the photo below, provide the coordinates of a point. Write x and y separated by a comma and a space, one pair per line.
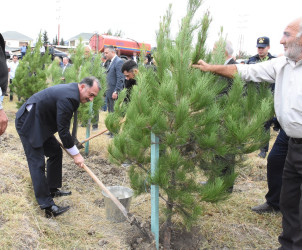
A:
167, 230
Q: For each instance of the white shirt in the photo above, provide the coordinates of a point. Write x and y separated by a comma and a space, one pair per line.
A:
12, 66
287, 76
42, 49
112, 61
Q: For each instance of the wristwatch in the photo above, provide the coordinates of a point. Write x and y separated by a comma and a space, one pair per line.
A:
115, 92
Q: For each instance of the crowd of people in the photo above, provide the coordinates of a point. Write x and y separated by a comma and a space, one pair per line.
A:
284, 167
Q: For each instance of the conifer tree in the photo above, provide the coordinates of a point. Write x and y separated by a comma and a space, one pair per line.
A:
55, 40
54, 72
31, 73
45, 37
62, 41
194, 123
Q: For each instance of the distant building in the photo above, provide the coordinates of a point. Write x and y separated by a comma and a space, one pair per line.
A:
14, 39
74, 41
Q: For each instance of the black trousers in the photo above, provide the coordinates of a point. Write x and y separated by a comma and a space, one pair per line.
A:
275, 165
290, 200
42, 183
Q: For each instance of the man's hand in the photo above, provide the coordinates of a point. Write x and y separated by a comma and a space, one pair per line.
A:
114, 95
3, 121
222, 70
79, 160
202, 65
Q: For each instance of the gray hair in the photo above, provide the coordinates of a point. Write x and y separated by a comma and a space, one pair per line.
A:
229, 48
90, 80
111, 48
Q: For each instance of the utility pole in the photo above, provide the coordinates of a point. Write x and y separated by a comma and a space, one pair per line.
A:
58, 11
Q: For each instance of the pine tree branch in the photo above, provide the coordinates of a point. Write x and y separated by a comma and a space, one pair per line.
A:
176, 205
140, 165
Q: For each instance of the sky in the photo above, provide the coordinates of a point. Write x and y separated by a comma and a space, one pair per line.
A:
242, 20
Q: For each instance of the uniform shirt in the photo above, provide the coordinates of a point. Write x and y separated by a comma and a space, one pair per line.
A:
287, 76
256, 59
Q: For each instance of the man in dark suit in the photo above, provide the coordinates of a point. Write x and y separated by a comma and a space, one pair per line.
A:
39, 118
115, 77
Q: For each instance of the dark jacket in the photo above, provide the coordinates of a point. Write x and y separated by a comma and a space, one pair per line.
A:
128, 85
3, 67
115, 77
51, 112
256, 59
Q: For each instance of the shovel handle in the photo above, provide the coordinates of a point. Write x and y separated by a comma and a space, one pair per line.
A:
102, 186
102, 132
89, 138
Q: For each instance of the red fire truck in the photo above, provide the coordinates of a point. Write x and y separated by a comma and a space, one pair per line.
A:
125, 46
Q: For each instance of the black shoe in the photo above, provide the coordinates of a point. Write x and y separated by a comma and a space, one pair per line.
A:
55, 211
59, 193
262, 154
264, 208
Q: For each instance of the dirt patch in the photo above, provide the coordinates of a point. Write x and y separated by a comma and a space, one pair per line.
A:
109, 174
180, 239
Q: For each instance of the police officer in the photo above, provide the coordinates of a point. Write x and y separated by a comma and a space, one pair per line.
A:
262, 48
263, 55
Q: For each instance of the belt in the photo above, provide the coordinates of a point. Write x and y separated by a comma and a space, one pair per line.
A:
297, 140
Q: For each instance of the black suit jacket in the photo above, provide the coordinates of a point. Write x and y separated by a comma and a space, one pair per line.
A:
3, 66
51, 112
232, 61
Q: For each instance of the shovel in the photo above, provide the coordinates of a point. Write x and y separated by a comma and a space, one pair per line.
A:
130, 217
80, 144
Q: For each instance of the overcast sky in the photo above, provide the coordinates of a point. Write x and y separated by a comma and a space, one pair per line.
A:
139, 19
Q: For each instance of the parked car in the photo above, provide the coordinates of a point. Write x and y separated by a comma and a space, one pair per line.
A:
8, 54
54, 52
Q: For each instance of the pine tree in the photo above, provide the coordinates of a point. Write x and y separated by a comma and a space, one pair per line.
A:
31, 73
45, 37
118, 33
62, 42
55, 40
54, 72
196, 125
